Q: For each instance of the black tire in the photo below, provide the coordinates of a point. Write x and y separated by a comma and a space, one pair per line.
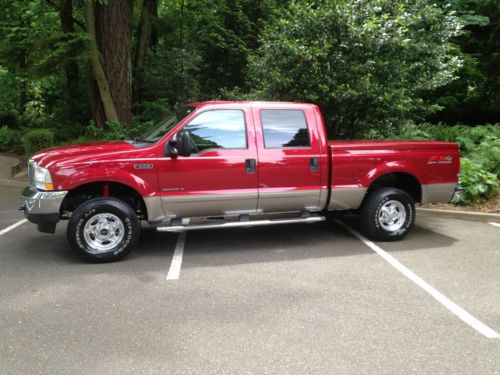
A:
378, 224
112, 230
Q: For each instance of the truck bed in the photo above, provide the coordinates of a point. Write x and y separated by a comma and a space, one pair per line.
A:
431, 168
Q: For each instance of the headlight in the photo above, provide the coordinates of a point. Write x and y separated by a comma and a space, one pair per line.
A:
43, 179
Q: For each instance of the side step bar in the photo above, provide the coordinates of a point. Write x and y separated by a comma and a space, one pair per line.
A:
234, 224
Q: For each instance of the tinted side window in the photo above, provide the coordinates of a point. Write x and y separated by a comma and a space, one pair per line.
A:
224, 128
284, 128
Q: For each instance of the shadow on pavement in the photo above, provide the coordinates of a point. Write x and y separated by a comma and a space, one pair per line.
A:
220, 247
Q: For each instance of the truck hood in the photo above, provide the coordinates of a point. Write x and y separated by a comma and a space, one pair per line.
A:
48, 156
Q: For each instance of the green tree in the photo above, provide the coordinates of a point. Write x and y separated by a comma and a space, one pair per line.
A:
475, 97
225, 33
366, 63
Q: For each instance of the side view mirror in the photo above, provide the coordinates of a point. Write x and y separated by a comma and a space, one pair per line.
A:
180, 145
184, 145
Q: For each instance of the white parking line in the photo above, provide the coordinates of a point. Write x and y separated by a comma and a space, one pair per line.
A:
175, 267
13, 226
438, 296
495, 224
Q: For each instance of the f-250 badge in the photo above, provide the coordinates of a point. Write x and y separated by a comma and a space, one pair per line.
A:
441, 159
143, 166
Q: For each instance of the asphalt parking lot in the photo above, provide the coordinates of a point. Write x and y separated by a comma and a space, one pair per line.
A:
294, 299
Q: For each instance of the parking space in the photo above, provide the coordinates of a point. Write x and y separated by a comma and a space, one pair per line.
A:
10, 203
286, 299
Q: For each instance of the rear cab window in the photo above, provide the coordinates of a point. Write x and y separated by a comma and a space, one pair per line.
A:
285, 128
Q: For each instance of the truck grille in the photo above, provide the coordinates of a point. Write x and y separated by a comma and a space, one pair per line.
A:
31, 173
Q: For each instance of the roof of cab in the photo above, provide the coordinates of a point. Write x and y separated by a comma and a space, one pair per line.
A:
250, 103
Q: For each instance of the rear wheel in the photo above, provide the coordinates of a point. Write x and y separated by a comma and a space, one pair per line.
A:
103, 230
388, 214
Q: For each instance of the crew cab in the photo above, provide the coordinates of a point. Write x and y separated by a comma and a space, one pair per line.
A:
228, 164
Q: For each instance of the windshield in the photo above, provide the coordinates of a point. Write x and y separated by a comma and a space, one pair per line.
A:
165, 125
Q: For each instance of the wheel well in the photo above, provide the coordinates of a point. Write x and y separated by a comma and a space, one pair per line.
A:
83, 193
399, 180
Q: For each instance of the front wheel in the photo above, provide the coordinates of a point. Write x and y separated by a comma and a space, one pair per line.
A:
103, 230
388, 214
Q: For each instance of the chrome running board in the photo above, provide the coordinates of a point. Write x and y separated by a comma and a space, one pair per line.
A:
235, 224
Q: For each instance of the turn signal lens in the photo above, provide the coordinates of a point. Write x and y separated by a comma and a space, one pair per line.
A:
49, 187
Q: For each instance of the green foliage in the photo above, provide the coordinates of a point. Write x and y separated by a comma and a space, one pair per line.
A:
480, 151
10, 139
114, 131
171, 76
479, 184
475, 96
37, 139
366, 63
225, 33
33, 54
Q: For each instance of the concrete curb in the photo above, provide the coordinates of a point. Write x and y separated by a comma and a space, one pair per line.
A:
461, 215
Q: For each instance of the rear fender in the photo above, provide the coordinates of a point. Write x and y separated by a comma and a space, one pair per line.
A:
386, 168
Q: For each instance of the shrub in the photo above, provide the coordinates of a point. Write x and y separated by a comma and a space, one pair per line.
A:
479, 184
36, 140
10, 140
367, 64
480, 151
114, 131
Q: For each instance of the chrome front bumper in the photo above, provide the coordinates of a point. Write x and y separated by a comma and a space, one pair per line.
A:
42, 207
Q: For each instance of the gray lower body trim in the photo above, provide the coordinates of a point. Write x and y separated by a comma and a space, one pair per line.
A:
438, 193
290, 201
346, 198
154, 208
208, 205
167, 207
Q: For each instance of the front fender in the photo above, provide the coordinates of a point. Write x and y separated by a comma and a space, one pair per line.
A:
70, 178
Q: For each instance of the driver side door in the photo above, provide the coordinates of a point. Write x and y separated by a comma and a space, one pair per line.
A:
219, 178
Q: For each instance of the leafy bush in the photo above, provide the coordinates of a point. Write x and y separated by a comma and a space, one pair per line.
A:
480, 151
36, 140
115, 131
10, 139
479, 184
367, 64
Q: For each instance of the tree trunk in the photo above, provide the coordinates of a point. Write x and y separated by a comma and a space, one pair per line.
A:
106, 100
143, 44
113, 20
70, 64
23, 92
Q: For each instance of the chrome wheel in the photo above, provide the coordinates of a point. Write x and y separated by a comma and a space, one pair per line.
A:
103, 232
392, 216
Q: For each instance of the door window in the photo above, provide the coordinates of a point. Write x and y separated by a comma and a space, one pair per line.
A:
284, 128
218, 129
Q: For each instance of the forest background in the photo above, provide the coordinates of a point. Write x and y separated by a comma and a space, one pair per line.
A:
77, 70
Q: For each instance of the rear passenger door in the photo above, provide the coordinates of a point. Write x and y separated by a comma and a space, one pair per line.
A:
290, 164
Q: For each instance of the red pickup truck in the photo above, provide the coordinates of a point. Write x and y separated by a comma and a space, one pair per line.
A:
228, 164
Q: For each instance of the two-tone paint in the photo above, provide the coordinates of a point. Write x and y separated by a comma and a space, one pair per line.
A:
216, 182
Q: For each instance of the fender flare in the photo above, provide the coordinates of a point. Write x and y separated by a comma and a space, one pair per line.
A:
93, 175
387, 168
